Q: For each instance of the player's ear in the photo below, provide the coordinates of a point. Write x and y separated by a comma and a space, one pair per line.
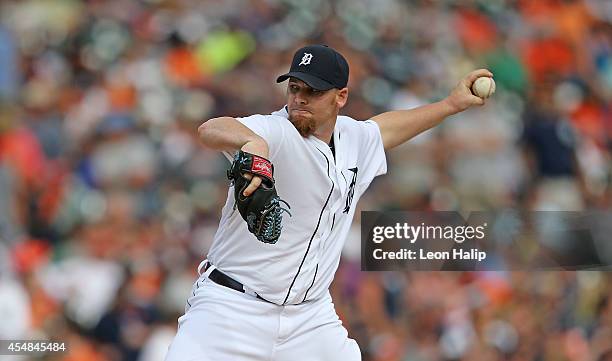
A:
341, 97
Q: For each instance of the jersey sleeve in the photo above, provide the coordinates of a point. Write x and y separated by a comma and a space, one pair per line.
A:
266, 127
372, 152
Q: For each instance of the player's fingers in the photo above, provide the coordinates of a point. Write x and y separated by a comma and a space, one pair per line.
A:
471, 77
477, 100
255, 182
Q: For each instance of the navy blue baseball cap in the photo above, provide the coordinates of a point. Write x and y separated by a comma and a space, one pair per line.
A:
319, 66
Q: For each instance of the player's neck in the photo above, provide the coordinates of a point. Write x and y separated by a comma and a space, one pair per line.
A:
324, 135
325, 131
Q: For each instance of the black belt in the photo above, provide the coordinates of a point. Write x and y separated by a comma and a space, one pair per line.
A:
222, 279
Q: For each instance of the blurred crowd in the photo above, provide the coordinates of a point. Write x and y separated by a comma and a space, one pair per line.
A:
108, 202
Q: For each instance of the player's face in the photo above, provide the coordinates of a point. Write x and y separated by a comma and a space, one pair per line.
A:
309, 108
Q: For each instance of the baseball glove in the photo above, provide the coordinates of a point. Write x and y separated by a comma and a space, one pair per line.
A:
262, 210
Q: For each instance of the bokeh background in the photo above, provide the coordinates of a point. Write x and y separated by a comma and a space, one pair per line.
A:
108, 202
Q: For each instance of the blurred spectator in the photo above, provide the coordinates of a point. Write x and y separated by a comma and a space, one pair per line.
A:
551, 143
9, 67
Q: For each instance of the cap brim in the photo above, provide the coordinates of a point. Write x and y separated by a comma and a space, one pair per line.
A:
311, 80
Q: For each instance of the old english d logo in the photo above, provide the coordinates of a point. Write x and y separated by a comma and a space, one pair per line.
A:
306, 59
351, 192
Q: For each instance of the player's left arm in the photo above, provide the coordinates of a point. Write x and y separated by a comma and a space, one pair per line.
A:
398, 126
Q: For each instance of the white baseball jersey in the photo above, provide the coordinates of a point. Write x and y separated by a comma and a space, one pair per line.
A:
322, 190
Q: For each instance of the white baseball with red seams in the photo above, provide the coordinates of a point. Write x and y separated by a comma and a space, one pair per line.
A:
483, 87
322, 189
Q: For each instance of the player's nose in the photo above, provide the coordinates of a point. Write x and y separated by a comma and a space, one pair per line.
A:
300, 98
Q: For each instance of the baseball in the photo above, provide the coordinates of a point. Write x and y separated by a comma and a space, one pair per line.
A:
483, 87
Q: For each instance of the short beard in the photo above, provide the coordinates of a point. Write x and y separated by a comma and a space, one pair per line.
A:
305, 128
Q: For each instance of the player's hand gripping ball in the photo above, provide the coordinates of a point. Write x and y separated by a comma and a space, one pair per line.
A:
483, 87
262, 210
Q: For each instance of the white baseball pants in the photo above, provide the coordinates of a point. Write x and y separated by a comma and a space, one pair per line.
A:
223, 324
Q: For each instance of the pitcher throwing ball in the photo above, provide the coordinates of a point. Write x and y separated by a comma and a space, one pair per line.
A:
296, 176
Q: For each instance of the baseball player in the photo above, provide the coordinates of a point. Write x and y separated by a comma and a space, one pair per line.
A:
297, 175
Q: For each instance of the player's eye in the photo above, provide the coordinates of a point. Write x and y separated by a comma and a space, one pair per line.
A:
315, 93
294, 88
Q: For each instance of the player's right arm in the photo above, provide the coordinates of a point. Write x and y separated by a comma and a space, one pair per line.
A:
398, 126
229, 135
